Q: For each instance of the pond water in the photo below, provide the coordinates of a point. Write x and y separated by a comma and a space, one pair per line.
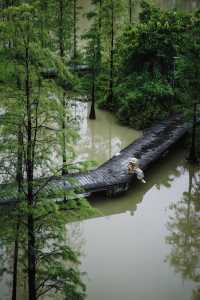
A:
102, 138
146, 245
98, 140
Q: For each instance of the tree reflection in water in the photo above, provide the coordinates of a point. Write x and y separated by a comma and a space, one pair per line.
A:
184, 233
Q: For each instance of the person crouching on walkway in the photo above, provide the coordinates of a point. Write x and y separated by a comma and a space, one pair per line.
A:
133, 167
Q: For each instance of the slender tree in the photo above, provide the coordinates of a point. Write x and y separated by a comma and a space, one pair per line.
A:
110, 89
93, 61
19, 181
112, 12
29, 57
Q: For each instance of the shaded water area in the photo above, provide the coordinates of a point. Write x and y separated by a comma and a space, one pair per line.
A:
147, 243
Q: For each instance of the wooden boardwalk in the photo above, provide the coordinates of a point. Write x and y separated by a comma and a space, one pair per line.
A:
112, 176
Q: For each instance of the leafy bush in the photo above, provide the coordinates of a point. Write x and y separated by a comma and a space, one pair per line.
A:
145, 66
140, 107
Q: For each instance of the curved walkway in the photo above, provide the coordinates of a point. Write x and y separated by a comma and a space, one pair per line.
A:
112, 176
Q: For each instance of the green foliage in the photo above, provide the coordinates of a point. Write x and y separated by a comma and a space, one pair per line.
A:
146, 64
140, 105
33, 106
107, 19
188, 64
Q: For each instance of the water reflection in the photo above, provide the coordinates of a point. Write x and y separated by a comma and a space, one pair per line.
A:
184, 233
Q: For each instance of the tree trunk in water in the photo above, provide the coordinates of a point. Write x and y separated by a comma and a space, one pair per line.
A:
92, 115
30, 196
110, 90
192, 155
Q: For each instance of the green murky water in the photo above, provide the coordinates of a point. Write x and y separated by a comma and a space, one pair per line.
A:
102, 138
146, 246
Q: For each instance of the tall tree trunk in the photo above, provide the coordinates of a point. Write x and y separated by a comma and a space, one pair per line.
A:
19, 179
110, 90
30, 196
75, 31
43, 20
130, 11
15, 263
64, 156
62, 53
61, 28
100, 14
31, 258
92, 115
99, 36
